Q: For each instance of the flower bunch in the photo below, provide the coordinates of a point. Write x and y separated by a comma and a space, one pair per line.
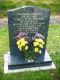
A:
30, 48
38, 43
22, 42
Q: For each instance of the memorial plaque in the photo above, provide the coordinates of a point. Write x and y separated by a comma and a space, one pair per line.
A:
31, 20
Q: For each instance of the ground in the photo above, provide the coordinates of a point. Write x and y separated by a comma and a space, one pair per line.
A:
53, 47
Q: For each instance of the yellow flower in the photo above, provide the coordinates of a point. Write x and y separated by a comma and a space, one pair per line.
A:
40, 51
23, 43
41, 45
36, 43
20, 47
36, 50
26, 47
18, 42
22, 39
40, 40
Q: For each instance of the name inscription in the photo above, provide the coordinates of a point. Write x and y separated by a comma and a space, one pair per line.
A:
30, 23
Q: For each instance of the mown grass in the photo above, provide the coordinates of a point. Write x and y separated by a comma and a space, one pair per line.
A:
53, 5
53, 47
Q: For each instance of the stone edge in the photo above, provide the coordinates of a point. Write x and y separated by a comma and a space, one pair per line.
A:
25, 69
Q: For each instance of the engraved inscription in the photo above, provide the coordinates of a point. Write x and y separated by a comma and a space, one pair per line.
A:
28, 22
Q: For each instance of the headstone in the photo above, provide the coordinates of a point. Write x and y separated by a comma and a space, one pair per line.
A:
28, 19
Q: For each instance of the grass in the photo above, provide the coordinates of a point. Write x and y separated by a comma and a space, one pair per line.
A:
53, 5
53, 47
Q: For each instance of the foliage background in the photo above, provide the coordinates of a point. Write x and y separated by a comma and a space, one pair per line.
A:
53, 5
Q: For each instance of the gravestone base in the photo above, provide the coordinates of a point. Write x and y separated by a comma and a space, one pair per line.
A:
11, 66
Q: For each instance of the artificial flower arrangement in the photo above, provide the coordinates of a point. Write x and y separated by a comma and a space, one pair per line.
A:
30, 48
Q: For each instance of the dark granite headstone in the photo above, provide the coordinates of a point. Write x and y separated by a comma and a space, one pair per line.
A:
28, 19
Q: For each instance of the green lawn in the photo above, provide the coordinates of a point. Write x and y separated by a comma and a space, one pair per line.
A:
53, 47
53, 5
